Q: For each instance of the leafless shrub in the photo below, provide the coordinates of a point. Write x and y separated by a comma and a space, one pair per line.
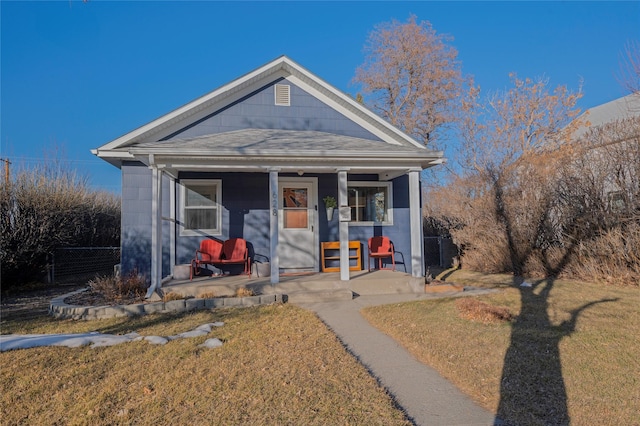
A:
47, 207
131, 288
614, 258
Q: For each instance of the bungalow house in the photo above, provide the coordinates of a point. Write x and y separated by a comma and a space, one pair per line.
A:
254, 159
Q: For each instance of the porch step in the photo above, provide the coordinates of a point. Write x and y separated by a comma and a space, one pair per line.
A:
315, 296
387, 283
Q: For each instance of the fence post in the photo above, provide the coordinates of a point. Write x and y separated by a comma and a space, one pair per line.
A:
51, 264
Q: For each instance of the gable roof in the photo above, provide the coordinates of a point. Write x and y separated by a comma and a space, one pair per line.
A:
148, 137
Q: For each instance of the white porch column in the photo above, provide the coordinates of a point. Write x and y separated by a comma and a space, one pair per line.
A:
156, 231
343, 202
273, 225
172, 222
415, 219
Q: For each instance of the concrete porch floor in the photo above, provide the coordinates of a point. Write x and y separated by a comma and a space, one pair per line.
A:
305, 288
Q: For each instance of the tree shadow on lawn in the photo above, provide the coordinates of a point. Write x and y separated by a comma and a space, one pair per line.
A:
532, 389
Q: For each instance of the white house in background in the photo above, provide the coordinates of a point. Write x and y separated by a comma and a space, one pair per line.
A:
614, 125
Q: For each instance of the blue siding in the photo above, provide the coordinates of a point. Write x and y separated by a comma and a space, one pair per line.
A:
135, 231
245, 197
136, 219
258, 111
399, 232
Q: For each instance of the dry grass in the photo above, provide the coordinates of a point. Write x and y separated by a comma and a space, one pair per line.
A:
168, 297
580, 341
478, 311
244, 292
207, 295
279, 365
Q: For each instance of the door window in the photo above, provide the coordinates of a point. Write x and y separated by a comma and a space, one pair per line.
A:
295, 205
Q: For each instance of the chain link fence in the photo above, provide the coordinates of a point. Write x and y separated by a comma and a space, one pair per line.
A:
78, 265
439, 251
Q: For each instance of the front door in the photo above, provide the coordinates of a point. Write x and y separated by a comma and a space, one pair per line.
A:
297, 240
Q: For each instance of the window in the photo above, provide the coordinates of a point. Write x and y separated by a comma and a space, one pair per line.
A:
370, 202
201, 211
295, 205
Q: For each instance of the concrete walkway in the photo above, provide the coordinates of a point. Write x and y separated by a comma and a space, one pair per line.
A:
426, 397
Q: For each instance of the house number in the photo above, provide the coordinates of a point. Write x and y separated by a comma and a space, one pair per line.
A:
274, 204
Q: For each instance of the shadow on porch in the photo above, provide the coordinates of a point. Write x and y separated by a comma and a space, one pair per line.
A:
313, 287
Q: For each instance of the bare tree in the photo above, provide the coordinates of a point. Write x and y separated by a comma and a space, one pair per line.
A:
500, 130
629, 75
411, 77
538, 199
511, 142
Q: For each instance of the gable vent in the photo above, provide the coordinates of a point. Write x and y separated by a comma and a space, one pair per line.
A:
283, 95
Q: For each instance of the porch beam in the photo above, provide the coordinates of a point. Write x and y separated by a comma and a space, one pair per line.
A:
273, 225
156, 231
415, 220
343, 202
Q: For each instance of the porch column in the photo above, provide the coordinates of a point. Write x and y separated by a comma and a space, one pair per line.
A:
343, 203
415, 219
156, 231
172, 223
273, 225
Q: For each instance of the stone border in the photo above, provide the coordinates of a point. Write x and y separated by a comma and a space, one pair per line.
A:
59, 309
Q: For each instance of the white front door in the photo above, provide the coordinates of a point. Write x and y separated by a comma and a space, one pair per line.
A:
297, 224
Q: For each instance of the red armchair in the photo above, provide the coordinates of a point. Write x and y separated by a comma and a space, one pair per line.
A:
381, 248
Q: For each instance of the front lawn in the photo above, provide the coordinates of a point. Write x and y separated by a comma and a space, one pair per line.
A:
569, 354
278, 365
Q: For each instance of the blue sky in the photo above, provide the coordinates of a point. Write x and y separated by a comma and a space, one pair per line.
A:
77, 75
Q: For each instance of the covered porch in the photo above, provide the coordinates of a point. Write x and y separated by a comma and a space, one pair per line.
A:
314, 173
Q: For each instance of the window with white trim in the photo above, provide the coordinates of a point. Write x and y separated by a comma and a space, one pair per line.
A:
201, 208
370, 202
